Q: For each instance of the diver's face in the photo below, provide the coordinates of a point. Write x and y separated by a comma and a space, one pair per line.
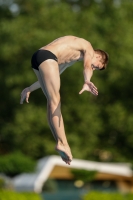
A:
97, 62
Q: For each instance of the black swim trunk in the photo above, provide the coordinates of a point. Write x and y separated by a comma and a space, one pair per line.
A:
40, 56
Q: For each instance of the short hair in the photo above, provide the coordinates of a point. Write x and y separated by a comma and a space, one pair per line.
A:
105, 57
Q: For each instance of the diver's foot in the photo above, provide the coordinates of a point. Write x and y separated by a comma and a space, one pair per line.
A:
65, 152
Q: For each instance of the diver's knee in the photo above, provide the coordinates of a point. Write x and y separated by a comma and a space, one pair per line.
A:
54, 103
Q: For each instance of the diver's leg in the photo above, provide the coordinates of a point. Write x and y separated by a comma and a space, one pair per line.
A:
49, 79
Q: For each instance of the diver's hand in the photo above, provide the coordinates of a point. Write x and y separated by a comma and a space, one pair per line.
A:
90, 87
25, 94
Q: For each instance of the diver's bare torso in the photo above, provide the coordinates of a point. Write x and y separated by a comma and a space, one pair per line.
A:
68, 50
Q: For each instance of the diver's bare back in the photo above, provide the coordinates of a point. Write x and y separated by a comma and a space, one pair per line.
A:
68, 48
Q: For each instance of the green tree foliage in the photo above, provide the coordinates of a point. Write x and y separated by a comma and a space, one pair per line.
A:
84, 175
50, 186
21, 196
16, 163
107, 196
94, 125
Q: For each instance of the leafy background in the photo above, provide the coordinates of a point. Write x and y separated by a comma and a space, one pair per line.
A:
98, 128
